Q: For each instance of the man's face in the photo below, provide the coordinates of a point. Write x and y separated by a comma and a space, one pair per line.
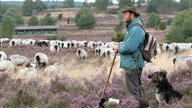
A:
127, 16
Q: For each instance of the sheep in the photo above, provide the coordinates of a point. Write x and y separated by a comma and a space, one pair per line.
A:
179, 60
54, 47
28, 71
67, 44
3, 56
55, 68
19, 60
91, 44
81, 53
15, 42
82, 43
3, 41
6, 66
103, 51
40, 59
28, 42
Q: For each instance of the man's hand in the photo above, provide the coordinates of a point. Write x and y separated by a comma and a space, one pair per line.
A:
115, 48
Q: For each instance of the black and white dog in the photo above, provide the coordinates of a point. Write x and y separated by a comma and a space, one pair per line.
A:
163, 89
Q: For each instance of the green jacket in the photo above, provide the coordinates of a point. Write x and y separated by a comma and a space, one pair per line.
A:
130, 55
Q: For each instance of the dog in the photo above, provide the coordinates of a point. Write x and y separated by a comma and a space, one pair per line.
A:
163, 89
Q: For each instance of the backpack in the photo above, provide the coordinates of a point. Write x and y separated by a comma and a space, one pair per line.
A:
149, 47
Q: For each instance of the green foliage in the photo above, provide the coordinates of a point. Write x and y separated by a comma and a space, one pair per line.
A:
39, 5
159, 6
169, 21
113, 11
181, 30
69, 4
84, 19
60, 16
27, 8
62, 38
119, 37
68, 20
185, 4
3, 9
7, 27
162, 25
48, 20
119, 27
15, 13
125, 3
33, 21
153, 20
101, 5
51, 37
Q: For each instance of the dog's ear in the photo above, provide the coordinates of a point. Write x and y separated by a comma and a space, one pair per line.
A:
164, 71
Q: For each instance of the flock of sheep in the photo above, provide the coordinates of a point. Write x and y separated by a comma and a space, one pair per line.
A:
41, 60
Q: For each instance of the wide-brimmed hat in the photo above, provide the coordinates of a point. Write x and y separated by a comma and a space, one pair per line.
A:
131, 9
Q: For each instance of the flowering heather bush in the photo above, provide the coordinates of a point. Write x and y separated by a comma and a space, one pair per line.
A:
64, 92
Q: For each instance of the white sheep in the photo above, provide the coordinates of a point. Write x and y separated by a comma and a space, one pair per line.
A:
40, 59
54, 69
6, 66
28, 42
181, 60
28, 72
15, 42
91, 44
54, 47
3, 56
81, 53
3, 41
19, 60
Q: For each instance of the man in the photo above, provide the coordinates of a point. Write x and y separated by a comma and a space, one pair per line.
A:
130, 55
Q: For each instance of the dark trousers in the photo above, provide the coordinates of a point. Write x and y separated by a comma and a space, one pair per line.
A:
133, 83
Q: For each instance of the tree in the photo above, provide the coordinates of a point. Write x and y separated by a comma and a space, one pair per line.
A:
47, 20
124, 3
181, 30
39, 5
27, 8
153, 20
185, 4
69, 4
33, 21
7, 27
159, 5
101, 5
15, 14
162, 25
3, 8
84, 19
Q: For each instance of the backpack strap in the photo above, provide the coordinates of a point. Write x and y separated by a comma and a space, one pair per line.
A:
137, 24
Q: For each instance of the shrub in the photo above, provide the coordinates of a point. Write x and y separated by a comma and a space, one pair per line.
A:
153, 20
162, 25
62, 38
33, 21
119, 27
119, 37
60, 16
68, 20
169, 21
84, 19
51, 37
113, 11
181, 30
